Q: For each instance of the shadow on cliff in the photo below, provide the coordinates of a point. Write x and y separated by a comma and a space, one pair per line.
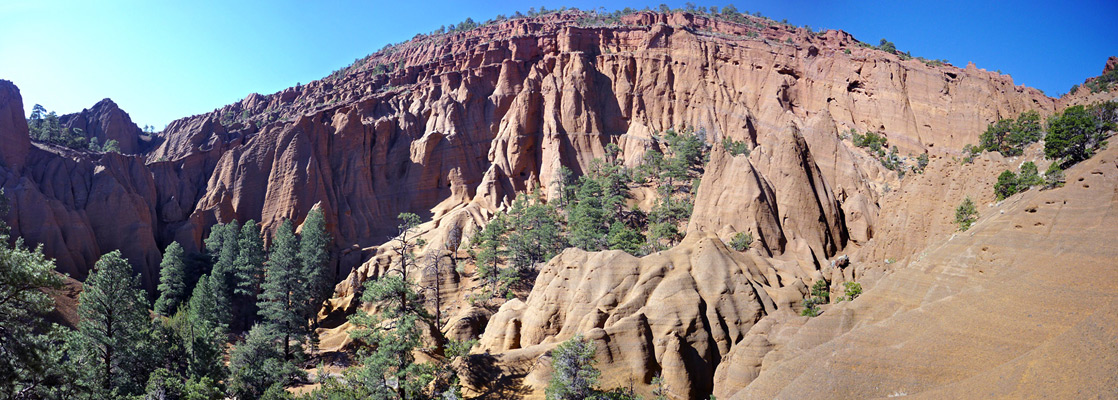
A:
491, 381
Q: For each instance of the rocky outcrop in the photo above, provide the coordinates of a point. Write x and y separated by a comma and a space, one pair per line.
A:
13, 128
1083, 95
79, 205
673, 314
106, 121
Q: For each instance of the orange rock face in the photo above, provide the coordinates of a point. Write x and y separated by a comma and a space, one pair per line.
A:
106, 121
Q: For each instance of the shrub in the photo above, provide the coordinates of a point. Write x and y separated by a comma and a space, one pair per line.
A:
921, 163
887, 46
1006, 186
846, 51
892, 161
874, 141
741, 241
966, 214
969, 152
1103, 82
1054, 176
1028, 177
810, 308
735, 147
821, 291
853, 290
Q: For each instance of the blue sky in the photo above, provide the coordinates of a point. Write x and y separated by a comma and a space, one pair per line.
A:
163, 60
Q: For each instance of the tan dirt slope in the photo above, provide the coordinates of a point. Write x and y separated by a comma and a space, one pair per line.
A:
1023, 305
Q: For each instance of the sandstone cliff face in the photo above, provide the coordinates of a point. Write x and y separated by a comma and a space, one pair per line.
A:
13, 128
675, 313
478, 116
80, 205
106, 121
1028, 292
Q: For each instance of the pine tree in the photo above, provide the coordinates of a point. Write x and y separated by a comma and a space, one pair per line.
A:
26, 350
586, 219
172, 280
249, 264
258, 364
623, 238
281, 302
388, 356
489, 252
314, 255
204, 333
249, 271
536, 236
114, 321
222, 244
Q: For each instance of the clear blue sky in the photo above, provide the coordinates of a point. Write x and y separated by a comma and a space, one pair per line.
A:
162, 60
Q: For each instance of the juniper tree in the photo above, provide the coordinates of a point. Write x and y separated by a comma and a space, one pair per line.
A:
113, 322
281, 303
573, 376
172, 280
1075, 134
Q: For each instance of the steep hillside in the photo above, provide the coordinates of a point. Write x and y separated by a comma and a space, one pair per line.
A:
1020, 306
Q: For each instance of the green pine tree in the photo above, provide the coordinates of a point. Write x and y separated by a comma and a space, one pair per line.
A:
248, 270
204, 333
27, 348
113, 324
489, 252
258, 363
172, 280
586, 220
282, 300
222, 245
536, 236
388, 359
622, 237
249, 264
314, 255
